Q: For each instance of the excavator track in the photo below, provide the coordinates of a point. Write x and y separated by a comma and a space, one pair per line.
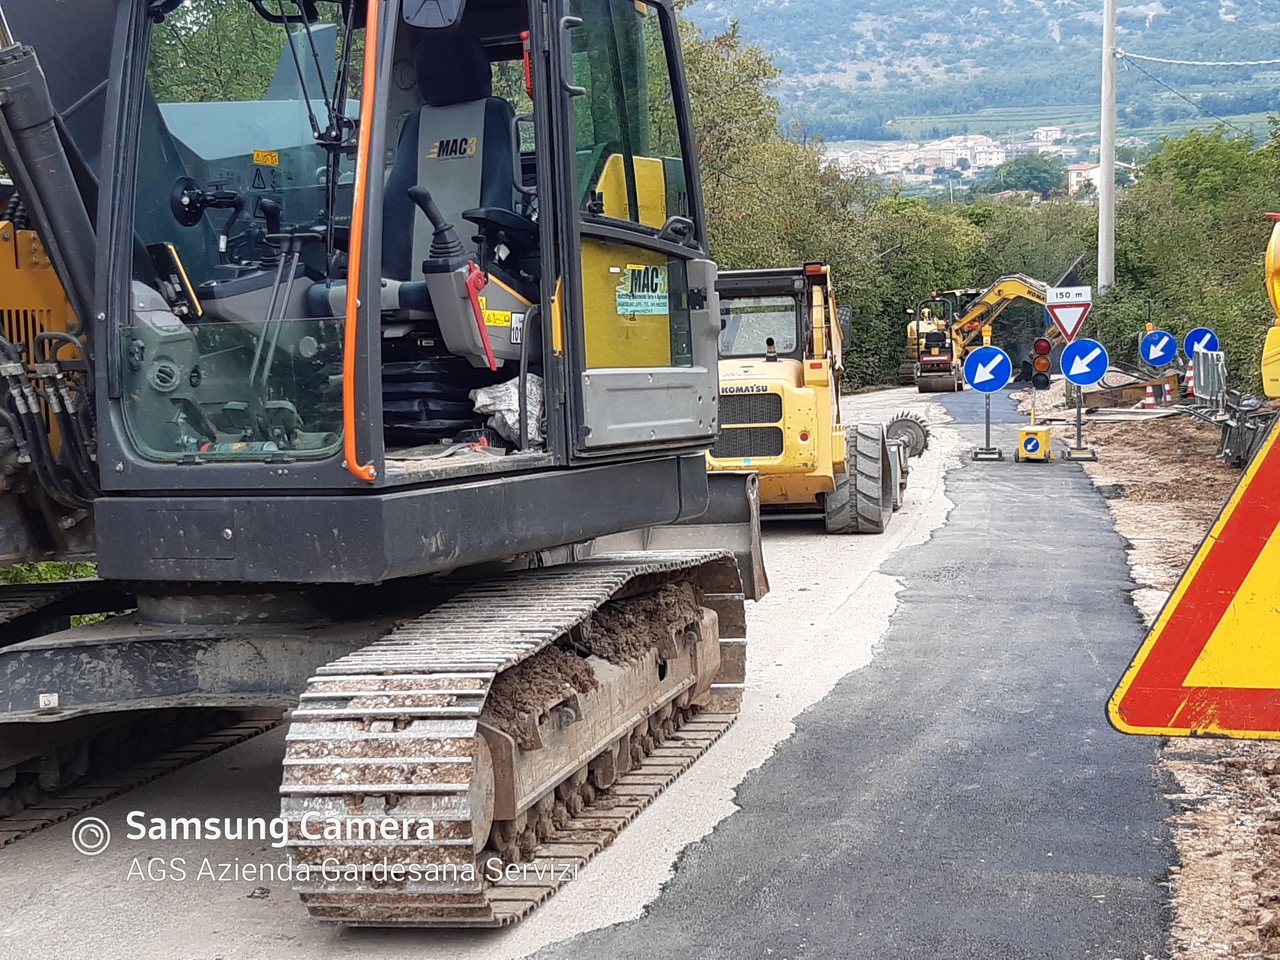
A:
82, 796
429, 724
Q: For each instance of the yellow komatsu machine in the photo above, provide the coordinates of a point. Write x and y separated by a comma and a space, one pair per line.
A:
780, 361
946, 326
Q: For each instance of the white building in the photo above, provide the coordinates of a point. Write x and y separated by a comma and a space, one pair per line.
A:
1046, 134
1078, 174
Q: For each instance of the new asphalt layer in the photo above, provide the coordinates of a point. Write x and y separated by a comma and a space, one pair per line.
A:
962, 795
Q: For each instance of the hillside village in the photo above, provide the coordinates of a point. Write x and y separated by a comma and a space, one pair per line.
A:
966, 159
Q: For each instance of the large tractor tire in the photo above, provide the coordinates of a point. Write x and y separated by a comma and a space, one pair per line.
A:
907, 374
862, 501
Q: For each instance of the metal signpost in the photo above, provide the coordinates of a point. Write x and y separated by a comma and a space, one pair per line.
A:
1158, 348
988, 370
1067, 307
1084, 363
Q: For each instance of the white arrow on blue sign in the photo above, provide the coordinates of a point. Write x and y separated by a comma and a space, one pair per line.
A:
1158, 348
988, 369
1084, 362
1031, 444
1201, 338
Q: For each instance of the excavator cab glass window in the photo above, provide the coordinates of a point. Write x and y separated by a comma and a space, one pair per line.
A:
748, 323
243, 203
631, 177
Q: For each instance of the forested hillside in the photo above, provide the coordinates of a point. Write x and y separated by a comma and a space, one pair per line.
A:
1190, 237
849, 67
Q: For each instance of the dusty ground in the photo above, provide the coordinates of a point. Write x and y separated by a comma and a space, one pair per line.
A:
1165, 489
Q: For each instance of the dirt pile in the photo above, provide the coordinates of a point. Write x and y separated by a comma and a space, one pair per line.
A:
624, 630
1165, 489
1227, 827
521, 695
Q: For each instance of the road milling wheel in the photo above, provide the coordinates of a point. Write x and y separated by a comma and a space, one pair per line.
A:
863, 499
911, 429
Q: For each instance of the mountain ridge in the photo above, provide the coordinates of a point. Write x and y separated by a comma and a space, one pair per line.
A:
849, 67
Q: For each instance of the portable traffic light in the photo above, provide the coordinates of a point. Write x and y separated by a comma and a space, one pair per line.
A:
1040, 363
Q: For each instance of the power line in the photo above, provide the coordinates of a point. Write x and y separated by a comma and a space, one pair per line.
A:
1183, 96
1198, 63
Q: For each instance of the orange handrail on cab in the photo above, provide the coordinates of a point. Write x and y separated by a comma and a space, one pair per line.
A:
368, 94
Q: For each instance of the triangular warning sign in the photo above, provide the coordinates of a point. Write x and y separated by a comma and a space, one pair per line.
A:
1211, 663
1068, 317
259, 181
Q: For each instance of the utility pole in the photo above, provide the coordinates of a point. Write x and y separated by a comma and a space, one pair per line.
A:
1107, 153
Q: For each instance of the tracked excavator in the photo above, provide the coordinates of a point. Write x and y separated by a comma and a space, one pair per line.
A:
369, 349
946, 326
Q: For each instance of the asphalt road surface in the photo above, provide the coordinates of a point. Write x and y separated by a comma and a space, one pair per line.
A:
922, 769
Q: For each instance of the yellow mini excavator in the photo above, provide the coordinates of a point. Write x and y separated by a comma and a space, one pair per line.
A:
946, 326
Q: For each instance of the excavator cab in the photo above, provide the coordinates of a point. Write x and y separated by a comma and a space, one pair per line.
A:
396, 246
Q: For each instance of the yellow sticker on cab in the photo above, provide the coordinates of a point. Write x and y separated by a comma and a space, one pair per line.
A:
494, 318
266, 158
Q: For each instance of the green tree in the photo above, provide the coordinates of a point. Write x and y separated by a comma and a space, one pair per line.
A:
1030, 171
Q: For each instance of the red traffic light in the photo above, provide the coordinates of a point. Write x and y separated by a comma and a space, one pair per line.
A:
1042, 346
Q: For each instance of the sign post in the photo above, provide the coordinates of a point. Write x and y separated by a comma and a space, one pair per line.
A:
987, 370
1084, 363
1067, 307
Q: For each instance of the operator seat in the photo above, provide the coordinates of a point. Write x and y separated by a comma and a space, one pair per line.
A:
458, 146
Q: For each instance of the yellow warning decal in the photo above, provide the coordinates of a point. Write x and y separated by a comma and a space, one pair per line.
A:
266, 158
494, 318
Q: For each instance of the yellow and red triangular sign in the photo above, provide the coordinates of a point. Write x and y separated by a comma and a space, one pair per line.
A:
1211, 663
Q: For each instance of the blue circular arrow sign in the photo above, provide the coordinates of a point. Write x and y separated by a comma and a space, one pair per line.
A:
1084, 362
987, 369
1031, 444
1201, 338
1158, 348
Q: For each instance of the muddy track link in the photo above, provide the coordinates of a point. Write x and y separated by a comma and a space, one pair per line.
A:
399, 729
20, 599
26, 608
80, 797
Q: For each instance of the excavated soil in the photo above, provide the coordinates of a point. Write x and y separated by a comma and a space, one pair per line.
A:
624, 630
532, 686
1165, 489
620, 631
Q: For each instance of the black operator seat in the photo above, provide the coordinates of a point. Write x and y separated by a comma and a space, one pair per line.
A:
458, 146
